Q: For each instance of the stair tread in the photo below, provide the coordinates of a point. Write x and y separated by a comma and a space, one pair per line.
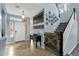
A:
61, 27
64, 23
59, 30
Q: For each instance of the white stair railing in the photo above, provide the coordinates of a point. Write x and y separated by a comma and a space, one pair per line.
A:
68, 29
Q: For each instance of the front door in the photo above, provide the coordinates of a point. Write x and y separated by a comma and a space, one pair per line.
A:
19, 31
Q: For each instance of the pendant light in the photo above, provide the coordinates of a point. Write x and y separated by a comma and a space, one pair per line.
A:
23, 14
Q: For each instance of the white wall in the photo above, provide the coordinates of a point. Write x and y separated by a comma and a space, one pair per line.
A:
65, 12
54, 10
51, 28
65, 16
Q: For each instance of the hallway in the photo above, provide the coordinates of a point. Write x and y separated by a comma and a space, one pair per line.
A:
27, 26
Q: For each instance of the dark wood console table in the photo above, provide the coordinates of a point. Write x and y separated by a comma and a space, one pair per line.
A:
36, 38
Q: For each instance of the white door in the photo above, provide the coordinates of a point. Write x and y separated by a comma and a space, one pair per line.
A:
19, 31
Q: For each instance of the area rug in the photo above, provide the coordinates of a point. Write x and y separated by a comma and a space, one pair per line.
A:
22, 46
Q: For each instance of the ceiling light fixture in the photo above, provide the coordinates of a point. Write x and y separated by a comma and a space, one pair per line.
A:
17, 6
23, 14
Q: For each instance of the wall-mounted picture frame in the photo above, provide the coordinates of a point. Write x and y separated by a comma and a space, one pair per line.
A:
49, 12
46, 23
46, 19
51, 20
51, 23
49, 16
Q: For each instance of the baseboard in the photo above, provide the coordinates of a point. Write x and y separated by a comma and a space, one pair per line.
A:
72, 49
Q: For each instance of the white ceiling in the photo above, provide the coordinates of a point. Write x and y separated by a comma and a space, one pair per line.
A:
30, 9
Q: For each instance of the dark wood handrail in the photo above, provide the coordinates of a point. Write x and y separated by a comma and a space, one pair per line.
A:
72, 14
71, 17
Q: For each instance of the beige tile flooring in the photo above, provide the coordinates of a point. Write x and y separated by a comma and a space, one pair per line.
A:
23, 49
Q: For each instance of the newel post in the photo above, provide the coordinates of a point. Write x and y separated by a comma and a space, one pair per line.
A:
61, 43
74, 12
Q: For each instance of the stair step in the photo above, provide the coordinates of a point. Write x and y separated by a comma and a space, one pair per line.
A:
59, 30
64, 23
61, 27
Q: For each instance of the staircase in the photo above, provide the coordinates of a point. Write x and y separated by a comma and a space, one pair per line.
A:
53, 40
61, 27
60, 37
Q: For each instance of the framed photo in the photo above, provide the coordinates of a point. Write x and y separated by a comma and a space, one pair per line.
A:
46, 23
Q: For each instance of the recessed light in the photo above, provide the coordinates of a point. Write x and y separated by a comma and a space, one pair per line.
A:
17, 6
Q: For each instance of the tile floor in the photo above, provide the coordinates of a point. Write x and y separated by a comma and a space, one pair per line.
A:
23, 49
